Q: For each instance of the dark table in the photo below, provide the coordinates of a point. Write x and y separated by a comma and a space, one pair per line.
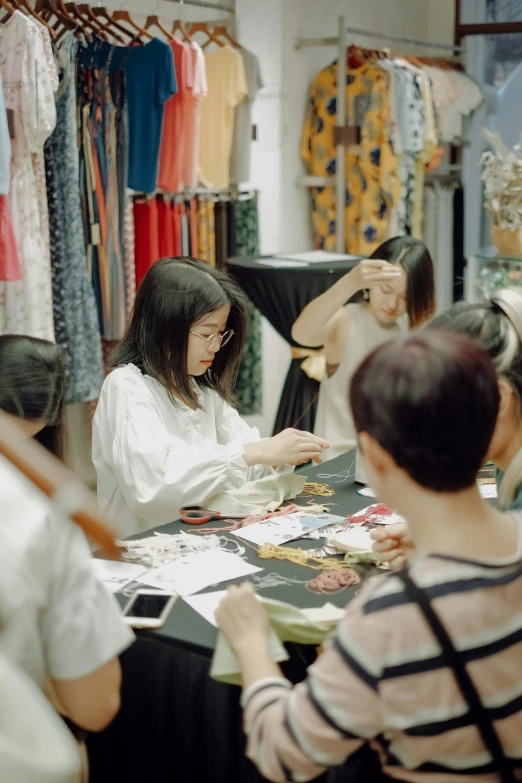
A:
176, 725
281, 295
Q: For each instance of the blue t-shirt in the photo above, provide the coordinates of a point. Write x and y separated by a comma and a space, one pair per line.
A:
150, 82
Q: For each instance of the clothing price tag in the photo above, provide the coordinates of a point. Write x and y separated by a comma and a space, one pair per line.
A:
254, 132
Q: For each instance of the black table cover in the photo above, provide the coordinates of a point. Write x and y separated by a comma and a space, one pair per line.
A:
176, 725
281, 295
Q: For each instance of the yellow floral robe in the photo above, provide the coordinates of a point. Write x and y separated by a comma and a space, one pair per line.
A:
372, 174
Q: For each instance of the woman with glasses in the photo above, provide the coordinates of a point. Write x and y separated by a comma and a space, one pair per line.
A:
165, 433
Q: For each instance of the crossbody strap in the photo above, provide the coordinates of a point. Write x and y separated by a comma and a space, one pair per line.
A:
465, 683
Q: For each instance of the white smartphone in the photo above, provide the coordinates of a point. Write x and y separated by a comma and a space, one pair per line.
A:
149, 609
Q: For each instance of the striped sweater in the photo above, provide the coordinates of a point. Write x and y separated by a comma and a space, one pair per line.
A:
382, 680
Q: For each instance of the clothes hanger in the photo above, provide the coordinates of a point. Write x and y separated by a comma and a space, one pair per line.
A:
56, 9
178, 25
202, 27
223, 32
124, 16
104, 14
6, 7
153, 21
24, 7
86, 10
73, 9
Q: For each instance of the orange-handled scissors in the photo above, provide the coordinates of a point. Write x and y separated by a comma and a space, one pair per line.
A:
198, 515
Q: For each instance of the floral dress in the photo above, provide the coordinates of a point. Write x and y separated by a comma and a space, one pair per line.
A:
26, 305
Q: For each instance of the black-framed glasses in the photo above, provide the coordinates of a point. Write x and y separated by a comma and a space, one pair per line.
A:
215, 341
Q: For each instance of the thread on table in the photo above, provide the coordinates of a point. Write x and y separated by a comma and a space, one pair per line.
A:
344, 475
373, 513
332, 582
301, 557
267, 581
314, 489
236, 524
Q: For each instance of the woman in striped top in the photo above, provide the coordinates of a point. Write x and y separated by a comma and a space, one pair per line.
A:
425, 410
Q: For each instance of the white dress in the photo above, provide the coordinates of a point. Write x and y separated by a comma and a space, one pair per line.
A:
152, 456
29, 79
334, 421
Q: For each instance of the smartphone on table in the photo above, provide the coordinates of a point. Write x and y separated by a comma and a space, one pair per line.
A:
148, 609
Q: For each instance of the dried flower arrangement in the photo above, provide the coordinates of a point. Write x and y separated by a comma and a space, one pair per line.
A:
502, 176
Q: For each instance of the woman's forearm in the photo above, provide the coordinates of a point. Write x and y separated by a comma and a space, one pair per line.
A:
255, 660
311, 328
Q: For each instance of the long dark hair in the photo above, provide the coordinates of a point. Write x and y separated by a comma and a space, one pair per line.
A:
415, 259
32, 386
174, 294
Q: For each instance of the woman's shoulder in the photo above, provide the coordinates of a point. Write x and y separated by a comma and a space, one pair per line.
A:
125, 379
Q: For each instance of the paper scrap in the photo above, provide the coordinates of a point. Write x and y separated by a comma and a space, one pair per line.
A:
280, 530
193, 572
488, 490
319, 257
273, 262
115, 575
206, 604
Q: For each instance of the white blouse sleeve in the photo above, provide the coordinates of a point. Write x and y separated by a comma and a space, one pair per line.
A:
159, 473
232, 427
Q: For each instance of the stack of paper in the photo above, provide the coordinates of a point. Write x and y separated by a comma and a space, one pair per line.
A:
280, 530
194, 572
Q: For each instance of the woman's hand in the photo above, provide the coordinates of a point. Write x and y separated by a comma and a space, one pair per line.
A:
393, 545
242, 618
290, 447
371, 271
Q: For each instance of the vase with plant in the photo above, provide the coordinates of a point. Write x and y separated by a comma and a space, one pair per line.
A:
502, 177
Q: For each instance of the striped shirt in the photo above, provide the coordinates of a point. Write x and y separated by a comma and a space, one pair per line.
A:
382, 680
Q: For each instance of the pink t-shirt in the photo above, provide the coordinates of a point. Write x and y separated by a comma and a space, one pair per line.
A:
175, 128
193, 104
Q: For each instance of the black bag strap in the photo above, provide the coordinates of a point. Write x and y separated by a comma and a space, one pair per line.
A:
465, 683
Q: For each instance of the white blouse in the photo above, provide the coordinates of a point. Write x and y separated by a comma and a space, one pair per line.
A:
153, 456
57, 619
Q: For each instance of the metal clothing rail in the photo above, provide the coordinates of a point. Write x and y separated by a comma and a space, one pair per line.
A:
205, 4
340, 165
301, 43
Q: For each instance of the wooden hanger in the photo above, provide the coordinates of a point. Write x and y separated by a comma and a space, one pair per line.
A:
223, 32
47, 9
124, 16
4, 5
73, 9
104, 14
178, 25
87, 11
24, 7
202, 27
154, 21
52, 477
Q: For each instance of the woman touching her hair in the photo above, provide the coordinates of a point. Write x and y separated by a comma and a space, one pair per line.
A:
32, 388
395, 291
496, 326
165, 433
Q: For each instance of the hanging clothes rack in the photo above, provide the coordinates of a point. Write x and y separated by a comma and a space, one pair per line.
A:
340, 172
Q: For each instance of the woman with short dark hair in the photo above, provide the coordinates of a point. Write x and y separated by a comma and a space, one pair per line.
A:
165, 434
32, 388
425, 408
388, 293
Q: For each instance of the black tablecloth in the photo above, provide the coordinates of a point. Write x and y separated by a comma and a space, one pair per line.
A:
281, 295
176, 725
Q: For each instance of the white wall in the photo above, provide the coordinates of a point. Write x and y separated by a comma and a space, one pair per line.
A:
270, 29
